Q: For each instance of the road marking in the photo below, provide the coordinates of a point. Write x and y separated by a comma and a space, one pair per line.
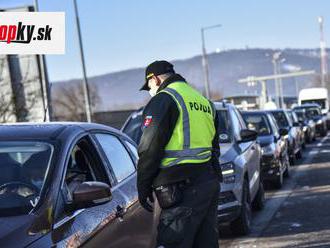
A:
275, 200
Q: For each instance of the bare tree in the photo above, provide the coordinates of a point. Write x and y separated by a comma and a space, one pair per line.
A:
12, 108
68, 102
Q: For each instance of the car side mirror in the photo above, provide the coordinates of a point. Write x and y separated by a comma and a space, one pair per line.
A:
283, 131
248, 135
90, 194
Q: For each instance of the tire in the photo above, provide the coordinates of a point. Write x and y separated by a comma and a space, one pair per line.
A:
314, 137
324, 132
279, 181
292, 160
299, 154
259, 201
242, 225
287, 170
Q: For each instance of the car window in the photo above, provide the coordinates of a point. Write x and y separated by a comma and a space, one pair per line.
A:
320, 102
273, 125
133, 127
236, 125
240, 118
133, 150
300, 114
225, 132
290, 116
281, 119
24, 167
83, 166
294, 117
117, 155
258, 123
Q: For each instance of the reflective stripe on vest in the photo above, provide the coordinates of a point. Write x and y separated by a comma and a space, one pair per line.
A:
200, 154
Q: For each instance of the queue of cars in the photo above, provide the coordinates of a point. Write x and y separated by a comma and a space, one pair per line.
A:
72, 184
257, 148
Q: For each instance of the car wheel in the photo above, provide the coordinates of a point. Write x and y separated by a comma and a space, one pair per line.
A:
324, 132
259, 201
292, 160
242, 225
279, 181
287, 170
299, 154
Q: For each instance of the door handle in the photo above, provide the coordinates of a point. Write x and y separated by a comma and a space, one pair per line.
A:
120, 211
253, 147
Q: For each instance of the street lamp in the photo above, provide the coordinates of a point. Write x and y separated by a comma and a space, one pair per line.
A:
323, 53
82, 57
204, 59
278, 81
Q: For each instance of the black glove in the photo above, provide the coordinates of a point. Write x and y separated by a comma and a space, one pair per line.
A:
146, 202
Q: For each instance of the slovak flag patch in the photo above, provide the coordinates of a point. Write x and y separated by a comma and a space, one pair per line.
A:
147, 121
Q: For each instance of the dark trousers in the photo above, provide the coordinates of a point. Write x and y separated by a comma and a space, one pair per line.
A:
193, 222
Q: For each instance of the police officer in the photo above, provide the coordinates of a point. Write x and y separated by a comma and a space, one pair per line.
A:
179, 160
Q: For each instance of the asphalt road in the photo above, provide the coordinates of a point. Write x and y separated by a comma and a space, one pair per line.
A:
298, 215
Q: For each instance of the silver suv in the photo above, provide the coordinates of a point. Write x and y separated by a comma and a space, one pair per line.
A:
242, 188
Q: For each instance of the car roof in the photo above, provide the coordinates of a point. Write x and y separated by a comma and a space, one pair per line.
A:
275, 110
45, 130
259, 112
222, 105
308, 105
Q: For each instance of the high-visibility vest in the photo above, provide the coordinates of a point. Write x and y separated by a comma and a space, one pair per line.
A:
191, 140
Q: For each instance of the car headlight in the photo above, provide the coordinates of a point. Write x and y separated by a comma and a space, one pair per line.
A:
268, 150
319, 122
304, 128
228, 173
227, 169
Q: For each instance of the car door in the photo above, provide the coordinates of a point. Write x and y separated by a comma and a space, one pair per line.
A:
75, 227
248, 152
294, 133
122, 156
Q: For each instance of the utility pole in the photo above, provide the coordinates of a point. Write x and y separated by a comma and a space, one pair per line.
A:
323, 53
280, 82
82, 57
46, 96
204, 60
276, 56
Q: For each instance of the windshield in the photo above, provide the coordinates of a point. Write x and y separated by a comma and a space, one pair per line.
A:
133, 127
313, 112
320, 102
225, 133
23, 170
257, 122
300, 114
281, 119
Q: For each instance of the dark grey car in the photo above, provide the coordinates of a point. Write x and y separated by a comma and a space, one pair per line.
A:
294, 134
275, 161
313, 111
70, 184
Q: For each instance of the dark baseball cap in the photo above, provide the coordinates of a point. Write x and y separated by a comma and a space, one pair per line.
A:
156, 68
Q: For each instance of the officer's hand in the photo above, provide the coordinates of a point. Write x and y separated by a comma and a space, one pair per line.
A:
146, 202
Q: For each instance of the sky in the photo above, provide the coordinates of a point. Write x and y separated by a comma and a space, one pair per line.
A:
123, 34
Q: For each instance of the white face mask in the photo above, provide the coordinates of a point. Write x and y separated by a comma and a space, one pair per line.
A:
153, 88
